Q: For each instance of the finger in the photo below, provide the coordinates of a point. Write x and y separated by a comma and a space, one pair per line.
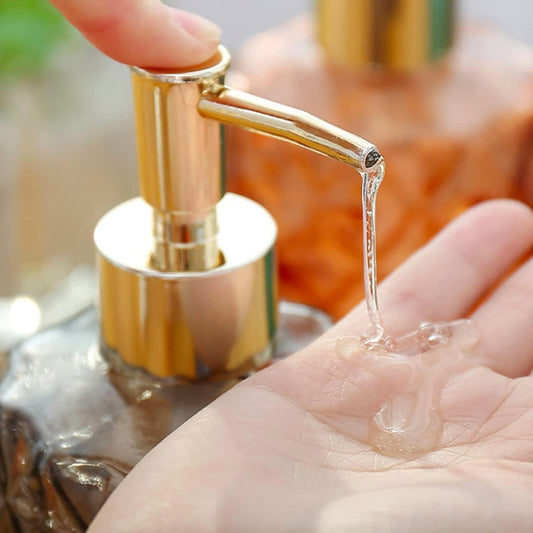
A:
506, 321
448, 276
143, 32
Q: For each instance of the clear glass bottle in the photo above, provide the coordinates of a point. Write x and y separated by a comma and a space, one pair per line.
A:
454, 124
74, 421
187, 306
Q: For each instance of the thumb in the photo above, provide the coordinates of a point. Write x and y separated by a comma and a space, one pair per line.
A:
145, 33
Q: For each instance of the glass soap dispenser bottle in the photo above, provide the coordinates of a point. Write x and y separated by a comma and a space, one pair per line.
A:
187, 305
450, 106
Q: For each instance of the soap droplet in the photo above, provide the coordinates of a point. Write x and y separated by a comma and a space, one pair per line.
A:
463, 334
375, 340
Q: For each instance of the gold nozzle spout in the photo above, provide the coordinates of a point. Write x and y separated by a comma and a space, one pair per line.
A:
286, 123
188, 284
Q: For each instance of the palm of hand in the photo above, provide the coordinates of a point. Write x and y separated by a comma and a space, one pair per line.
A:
288, 449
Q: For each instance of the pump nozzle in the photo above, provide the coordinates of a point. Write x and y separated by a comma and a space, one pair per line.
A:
289, 124
187, 275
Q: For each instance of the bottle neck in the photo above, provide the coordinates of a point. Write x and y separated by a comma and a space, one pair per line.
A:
185, 242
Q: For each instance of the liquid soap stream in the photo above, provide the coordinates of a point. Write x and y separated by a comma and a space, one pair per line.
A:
371, 182
407, 423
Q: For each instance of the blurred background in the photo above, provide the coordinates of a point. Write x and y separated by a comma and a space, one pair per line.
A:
67, 149
242, 18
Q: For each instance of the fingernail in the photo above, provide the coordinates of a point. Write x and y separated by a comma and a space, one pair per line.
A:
197, 26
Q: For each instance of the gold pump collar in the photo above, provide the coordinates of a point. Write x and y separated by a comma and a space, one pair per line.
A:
400, 35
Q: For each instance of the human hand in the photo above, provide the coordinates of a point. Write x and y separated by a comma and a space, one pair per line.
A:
288, 450
145, 33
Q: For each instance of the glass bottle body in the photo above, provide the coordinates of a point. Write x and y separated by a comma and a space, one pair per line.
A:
73, 423
454, 134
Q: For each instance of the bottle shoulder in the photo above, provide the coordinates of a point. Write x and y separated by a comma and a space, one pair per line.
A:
61, 382
70, 391
72, 424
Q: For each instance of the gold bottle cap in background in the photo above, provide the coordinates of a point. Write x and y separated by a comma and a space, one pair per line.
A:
400, 35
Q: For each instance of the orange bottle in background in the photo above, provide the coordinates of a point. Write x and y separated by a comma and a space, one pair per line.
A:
451, 111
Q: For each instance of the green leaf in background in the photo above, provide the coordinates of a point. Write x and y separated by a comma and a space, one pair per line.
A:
30, 30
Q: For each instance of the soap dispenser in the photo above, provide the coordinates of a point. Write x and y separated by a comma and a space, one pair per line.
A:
187, 307
448, 102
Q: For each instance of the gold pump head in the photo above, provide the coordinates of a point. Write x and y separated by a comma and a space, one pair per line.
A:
399, 35
188, 285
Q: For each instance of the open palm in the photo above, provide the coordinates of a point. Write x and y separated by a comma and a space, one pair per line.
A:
288, 450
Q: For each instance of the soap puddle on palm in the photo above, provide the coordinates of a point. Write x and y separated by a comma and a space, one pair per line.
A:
408, 422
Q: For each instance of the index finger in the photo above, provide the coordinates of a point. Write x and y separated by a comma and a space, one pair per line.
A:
145, 33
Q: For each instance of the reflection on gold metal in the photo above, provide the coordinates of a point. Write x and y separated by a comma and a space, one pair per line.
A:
286, 123
187, 274
193, 325
396, 34
183, 243
179, 153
